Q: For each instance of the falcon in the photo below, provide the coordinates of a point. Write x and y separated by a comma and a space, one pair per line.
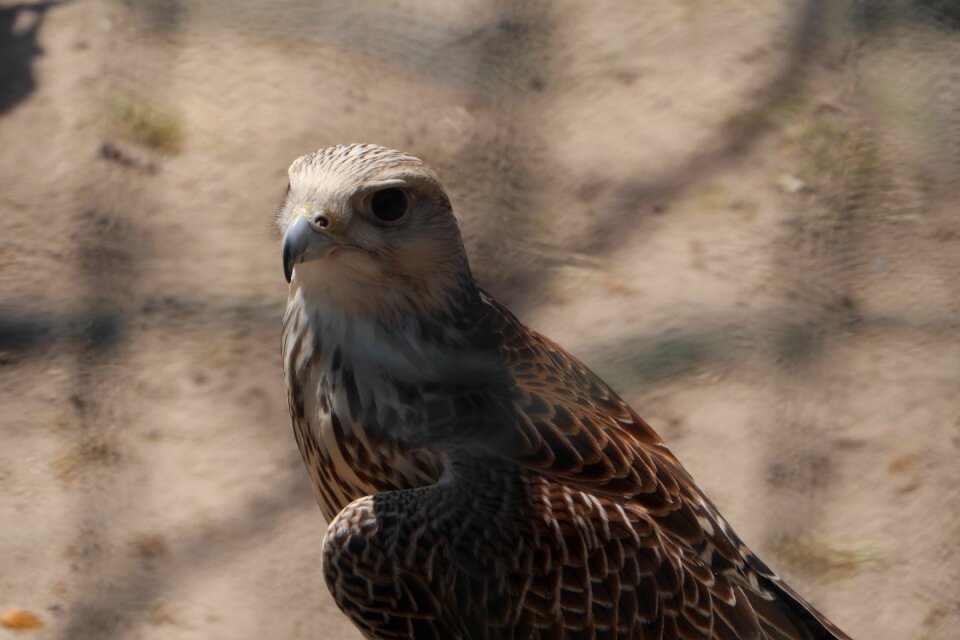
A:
479, 481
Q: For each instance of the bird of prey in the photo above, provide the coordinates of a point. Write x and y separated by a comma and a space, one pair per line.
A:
480, 482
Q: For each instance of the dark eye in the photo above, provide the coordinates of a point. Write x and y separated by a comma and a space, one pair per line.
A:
389, 204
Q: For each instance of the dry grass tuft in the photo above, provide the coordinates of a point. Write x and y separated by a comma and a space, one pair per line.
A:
148, 124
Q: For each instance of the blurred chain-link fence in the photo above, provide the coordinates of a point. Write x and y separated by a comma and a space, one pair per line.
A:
746, 216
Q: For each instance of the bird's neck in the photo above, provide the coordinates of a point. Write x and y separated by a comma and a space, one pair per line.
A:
391, 310
394, 340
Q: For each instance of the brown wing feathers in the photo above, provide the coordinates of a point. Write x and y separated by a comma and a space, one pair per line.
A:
581, 434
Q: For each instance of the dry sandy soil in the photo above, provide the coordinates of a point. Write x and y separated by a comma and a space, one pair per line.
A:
743, 214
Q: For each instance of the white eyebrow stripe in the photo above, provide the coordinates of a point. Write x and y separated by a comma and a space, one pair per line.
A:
390, 182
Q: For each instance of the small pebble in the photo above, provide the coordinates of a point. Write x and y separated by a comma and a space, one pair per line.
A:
792, 184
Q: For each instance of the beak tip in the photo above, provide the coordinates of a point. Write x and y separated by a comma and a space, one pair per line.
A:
287, 264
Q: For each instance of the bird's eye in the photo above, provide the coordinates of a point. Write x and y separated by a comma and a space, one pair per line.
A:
389, 204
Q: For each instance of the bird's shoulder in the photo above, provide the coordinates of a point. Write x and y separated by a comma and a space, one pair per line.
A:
573, 424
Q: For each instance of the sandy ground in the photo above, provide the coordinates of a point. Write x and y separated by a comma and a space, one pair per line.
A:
744, 215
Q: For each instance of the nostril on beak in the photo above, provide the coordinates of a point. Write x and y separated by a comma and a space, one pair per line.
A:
321, 221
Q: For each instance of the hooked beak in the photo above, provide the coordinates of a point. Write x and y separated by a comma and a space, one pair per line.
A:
301, 243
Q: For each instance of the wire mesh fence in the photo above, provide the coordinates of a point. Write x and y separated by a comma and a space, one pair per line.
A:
743, 215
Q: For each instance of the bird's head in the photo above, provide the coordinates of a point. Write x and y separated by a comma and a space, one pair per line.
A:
367, 229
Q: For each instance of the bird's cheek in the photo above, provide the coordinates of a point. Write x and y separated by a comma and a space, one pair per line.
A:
361, 264
422, 261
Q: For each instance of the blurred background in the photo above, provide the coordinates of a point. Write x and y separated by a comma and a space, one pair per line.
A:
744, 215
